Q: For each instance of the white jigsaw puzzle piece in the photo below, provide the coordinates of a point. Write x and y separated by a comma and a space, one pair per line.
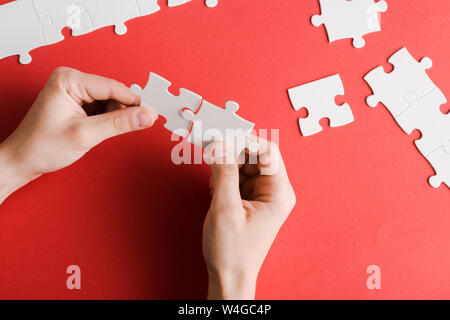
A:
212, 123
209, 3
424, 114
20, 30
391, 88
318, 98
156, 96
97, 14
147, 7
63, 13
353, 19
440, 161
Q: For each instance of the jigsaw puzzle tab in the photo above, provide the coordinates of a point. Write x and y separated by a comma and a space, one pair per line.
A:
209, 3
156, 96
391, 88
20, 30
440, 161
352, 19
318, 98
212, 123
424, 114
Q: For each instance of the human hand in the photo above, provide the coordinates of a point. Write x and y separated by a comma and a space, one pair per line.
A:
73, 113
249, 205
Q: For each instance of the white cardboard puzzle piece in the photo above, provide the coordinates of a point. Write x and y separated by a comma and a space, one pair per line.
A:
30, 24
318, 98
440, 161
352, 19
97, 14
20, 30
174, 3
156, 97
424, 114
212, 123
62, 13
391, 88
148, 7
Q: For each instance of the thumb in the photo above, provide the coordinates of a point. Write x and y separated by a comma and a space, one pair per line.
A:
114, 123
225, 175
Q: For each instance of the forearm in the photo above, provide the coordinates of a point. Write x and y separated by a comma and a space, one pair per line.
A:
12, 176
231, 286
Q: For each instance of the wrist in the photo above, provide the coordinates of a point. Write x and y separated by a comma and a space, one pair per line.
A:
236, 285
13, 176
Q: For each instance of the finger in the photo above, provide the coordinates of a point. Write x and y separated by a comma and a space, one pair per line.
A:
270, 169
86, 88
273, 172
225, 173
242, 178
107, 125
100, 88
270, 161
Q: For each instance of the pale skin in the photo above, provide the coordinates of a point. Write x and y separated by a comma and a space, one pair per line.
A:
250, 203
76, 111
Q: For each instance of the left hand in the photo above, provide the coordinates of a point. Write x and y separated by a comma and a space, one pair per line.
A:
73, 113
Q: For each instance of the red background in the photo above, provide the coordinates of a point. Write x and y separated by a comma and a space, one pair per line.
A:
132, 220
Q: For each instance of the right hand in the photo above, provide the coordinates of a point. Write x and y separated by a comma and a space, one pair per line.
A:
249, 205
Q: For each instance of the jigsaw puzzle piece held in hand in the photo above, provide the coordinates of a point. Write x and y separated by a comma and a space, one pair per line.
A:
156, 96
424, 114
318, 98
353, 19
97, 14
20, 30
440, 160
391, 88
174, 3
212, 123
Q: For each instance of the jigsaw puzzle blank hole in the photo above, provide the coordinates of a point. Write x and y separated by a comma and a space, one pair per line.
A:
325, 123
302, 113
340, 100
387, 67
445, 109
416, 135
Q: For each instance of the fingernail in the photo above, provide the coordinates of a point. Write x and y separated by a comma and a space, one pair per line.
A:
144, 120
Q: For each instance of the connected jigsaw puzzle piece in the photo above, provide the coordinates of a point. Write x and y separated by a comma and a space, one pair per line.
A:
104, 13
318, 98
391, 88
147, 7
62, 13
353, 19
424, 114
174, 3
212, 123
20, 30
156, 96
440, 161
